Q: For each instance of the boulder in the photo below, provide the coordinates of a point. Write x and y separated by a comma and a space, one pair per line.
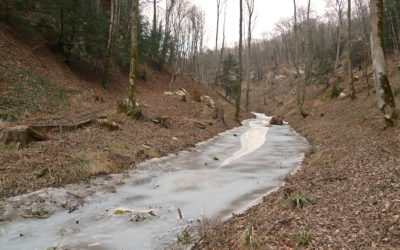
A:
208, 100
108, 124
276, 120
180, 93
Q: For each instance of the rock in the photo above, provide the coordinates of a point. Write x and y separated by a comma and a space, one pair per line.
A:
209, 101
21, 134
276, 120
174, 138
185, 91
342, 95
110, 125
180, 93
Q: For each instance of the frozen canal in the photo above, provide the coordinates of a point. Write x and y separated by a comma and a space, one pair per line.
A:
138, 210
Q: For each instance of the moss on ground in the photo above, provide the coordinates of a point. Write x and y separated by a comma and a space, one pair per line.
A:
24, 92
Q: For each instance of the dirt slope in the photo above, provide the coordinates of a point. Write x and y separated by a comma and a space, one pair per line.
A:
38, 89
349, 183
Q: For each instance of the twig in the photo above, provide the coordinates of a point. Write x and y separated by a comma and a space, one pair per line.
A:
180, 214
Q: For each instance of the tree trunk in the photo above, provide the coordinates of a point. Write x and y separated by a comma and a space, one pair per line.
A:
221, 54
108, 58
154, 37
250, 9
336, 86
394, 36
383, 89
216, 34
239, 86
396, 12
134, 56
300, 89
349, 44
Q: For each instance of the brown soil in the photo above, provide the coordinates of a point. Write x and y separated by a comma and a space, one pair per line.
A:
91, 151
349, 182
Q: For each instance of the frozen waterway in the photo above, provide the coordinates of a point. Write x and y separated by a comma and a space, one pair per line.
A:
138, 210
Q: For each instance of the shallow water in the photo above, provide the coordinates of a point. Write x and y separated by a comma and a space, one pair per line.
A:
253, 159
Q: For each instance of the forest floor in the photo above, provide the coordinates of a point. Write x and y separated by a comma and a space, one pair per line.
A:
346, 194
38, 89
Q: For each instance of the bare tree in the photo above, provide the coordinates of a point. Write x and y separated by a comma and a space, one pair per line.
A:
239, 87
167, 36
134, 57
108, 59
362, 14
250, 14
338, 6
219, 9
396, 12
383, 89
349, 52
300, 86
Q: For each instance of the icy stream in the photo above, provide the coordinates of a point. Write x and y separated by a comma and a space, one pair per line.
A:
138, 210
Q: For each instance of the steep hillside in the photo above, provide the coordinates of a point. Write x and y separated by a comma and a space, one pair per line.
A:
347, 193
38, 89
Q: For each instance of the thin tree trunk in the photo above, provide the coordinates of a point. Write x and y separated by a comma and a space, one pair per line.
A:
98, 6
336, 87
250, 9
396, 12
239, 86
108, 58
221, 54
134, 56
154, 31
167, 30
300, 89
395, 45
349, 56
216, 34
383, 89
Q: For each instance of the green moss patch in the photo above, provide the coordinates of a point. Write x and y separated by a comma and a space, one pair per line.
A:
25, 93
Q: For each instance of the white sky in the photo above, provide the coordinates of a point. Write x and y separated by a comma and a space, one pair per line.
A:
268, 12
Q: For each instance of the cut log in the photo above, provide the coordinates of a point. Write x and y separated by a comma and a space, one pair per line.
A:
200, 125
21, 134
163, 121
